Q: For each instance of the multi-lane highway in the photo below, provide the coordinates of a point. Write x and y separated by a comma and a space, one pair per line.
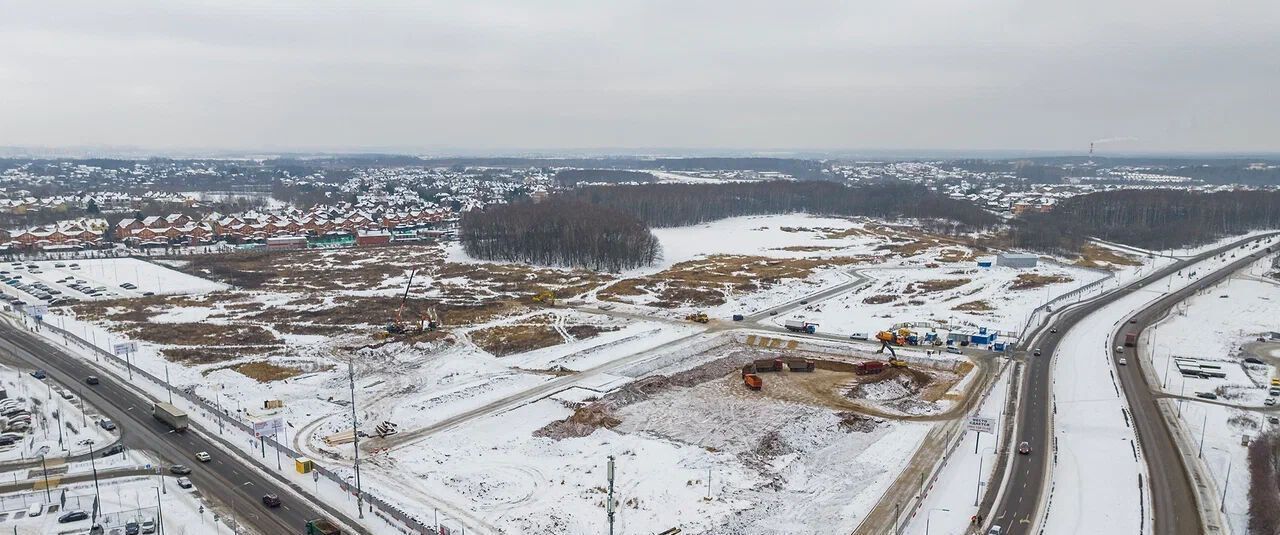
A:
1172, 491
1020, 498
227, 479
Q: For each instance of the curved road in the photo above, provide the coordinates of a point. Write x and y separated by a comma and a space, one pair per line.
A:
1022, 492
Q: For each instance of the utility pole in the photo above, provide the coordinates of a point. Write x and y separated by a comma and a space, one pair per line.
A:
355, 436
167, 387
160, 510
1223, 507
611, 503
97, 496
45, 468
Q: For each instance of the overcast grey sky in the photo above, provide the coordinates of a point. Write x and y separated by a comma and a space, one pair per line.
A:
902, 74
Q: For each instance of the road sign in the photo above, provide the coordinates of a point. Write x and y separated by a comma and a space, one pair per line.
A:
982, 424
124, 347
268, 428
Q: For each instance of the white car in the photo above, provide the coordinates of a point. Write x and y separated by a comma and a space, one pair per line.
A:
1119, 349
184, 483
1122, 362
203, 457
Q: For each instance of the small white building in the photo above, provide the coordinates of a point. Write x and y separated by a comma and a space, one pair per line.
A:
1017, 260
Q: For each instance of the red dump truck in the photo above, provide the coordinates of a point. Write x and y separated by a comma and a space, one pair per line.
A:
752, 381
1130, 339
870, 367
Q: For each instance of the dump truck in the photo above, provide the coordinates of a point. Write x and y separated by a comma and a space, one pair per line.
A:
768, 365
870, 367
1130, 339
752, 381
321, 526
799, 365
801, 326
175, 417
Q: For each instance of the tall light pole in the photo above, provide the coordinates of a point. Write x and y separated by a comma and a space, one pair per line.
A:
977, 490
355, 436
609, 505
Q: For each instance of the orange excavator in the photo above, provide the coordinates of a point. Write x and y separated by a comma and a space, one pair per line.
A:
887, 340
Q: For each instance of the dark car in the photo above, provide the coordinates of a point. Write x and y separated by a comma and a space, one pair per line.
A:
180, 469
114, 449
1037, 352
91, 380
1054, 330
131, 528
1253, 360
1206, 395
39, 374
738, 317
1024, 448
271, 500
107, 424
72, 516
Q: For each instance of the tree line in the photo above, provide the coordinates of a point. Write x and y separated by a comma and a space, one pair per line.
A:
1151, 218
571, 177
559, 232
672, 205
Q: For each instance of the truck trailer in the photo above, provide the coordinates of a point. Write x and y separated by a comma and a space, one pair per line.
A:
1130, 339
175, 417
321, 526
801, 326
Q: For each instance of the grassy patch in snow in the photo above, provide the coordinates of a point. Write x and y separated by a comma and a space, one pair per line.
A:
1027, 281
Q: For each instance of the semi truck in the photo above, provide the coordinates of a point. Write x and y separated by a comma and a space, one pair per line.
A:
1130, 339
801, 325
175, 417
321, 526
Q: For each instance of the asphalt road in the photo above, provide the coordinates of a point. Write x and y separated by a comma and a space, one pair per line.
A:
227, 479
1172, 491
1020, 501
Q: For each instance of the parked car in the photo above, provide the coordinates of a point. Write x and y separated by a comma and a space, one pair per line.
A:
39, 374
107, 424
1253, 360
1270, 402
1024, 448
1206, 395
995, 530
149, 525
1119, 349
113, 450
72, 516
184, 483
131, 528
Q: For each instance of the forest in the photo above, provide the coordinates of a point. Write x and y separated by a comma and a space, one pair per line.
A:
559, 232
1150, 218
673, 205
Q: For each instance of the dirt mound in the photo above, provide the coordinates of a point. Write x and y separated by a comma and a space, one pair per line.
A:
771, 444
890, 385
854, 422
583, 422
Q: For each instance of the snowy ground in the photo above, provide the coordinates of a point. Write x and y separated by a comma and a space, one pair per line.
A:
981, 297
107, 274
954, 496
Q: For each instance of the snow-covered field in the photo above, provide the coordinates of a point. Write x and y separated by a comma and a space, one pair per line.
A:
108, 274
466, 416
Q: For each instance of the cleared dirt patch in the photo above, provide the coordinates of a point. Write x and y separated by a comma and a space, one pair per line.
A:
201, 334
503, 340
880, 299
974, 306
1027, 281
265, 372
200, 355
1093, 256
